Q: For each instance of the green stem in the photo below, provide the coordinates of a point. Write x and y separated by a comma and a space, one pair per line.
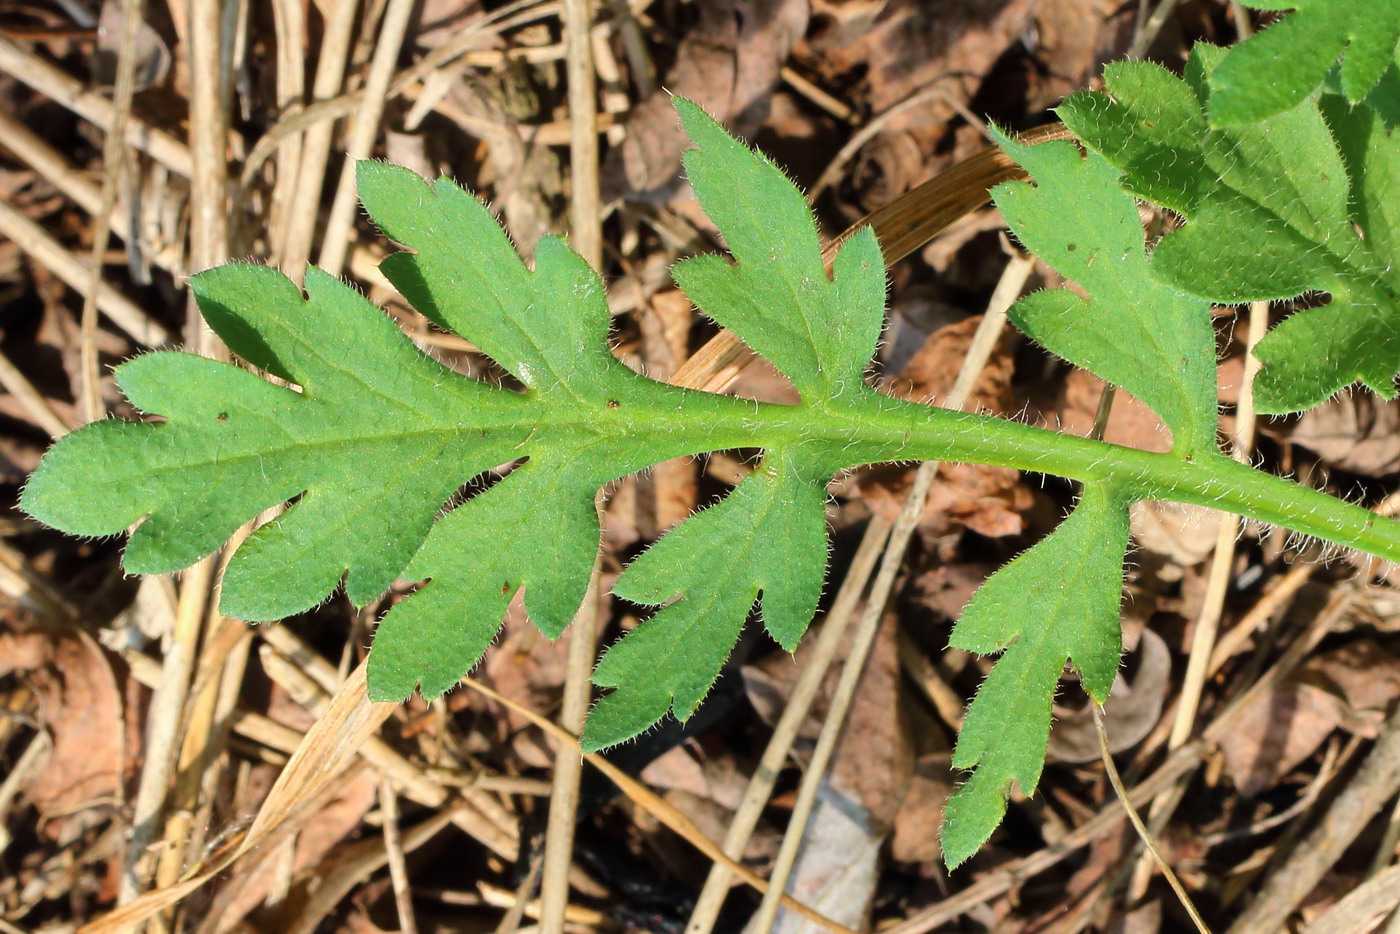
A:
1213, 480
873, 428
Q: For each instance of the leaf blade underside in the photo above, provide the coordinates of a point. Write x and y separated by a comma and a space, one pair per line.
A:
375, 439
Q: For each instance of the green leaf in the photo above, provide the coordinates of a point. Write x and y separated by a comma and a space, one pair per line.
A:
820, 333
549, 328
374, 439
1385, 99
373, 444
1159, 345
1059, 601
762, 538
1056, 603
1280, 66
1272, 214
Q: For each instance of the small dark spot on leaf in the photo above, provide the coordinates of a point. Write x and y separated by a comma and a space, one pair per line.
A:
505, 587
1071, 247
222, 417
613, 404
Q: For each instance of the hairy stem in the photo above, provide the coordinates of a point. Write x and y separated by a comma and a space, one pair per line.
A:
872, 427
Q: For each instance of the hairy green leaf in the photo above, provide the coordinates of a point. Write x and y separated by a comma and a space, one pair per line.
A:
768, 536
1058, 602
1054, 604
1159, 345
1272, 214
1279, 66
777, 295
234, 444
374, 439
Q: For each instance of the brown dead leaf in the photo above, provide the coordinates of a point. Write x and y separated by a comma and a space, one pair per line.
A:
907, 45
1075, 899
152, 54
1183, 533
838, 867
1278, 730
667, 493
331, 822
526, 667
357, 922
856, 804
1131, 423
887, 51
1380, 606
665, 325
440, 20
728, 63
81, 711
525, 177
1365, 675
762, 381
988, 500
1356, 432
874, 760
684, 768
920, 818
1229, 377
930, 373
1146, 919
914, 837
1073, 39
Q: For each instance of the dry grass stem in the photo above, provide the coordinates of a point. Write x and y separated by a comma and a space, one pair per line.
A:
656, 806
340, 223
33, 401
1355, 806
123, 312
113, 159
393, 849
304, 211
585, 214
1133, 817
66, 90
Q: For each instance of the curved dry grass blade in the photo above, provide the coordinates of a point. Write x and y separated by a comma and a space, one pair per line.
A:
1136, 820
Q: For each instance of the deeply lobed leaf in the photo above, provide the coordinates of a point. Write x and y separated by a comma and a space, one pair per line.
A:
763, 538
375, 437
1054, 604
818, 329
234, 445
1278, 67
1159, 345
1273, 212
1058, 602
